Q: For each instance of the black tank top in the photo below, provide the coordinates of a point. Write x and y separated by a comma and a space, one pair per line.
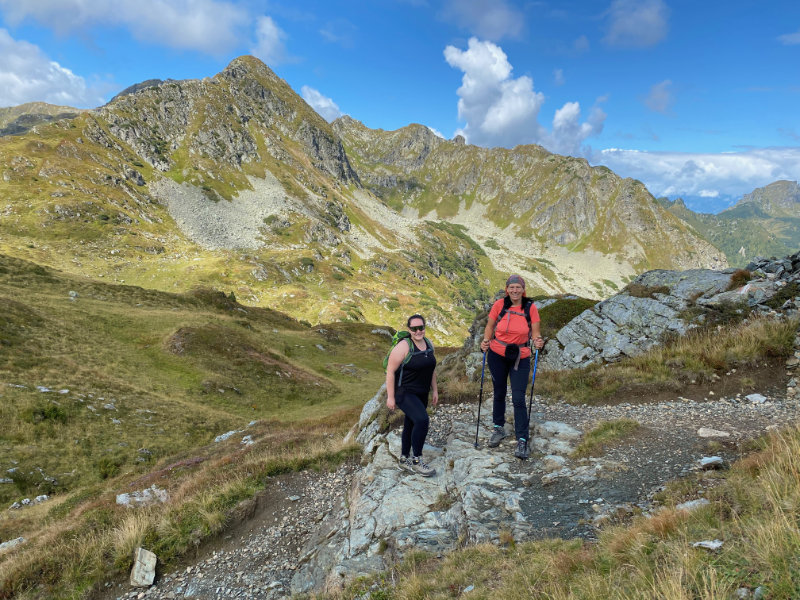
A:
417, 372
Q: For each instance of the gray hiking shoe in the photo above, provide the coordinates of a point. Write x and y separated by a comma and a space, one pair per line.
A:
498, 435
404, 464
522, 450
422, 468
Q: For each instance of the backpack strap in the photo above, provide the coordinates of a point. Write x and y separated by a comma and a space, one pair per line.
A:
526, 310
412, 350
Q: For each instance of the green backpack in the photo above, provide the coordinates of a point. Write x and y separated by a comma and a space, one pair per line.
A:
396, 339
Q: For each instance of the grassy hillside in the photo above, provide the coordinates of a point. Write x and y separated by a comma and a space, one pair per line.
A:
765, 222
134, 369
82, 196
107, 388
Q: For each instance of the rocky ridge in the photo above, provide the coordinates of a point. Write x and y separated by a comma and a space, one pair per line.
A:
763, 222
234, 182
658, 303
556, 200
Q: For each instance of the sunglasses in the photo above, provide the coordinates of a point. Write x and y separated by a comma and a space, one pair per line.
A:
417, 328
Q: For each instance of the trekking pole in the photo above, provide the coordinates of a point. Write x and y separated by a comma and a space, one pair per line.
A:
480, 400
533, 381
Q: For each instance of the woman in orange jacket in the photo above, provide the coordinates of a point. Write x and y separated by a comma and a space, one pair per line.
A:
507, 341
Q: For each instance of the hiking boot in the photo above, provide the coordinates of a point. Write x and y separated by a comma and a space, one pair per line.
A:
498, 435
404, 464
522, 450
421, 468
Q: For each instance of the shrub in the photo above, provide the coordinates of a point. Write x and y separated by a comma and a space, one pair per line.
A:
739, 278
46, 412
108, 466
638, 290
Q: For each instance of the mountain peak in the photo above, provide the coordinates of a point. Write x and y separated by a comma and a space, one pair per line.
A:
776, 198
247, 64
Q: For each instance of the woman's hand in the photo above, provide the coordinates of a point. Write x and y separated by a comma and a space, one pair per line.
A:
538, 343
435, 397
484, 345
390, 404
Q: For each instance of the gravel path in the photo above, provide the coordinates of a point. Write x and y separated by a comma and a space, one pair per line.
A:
258, 556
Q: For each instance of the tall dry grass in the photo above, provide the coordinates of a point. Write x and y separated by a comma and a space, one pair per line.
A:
697, 356
97, 539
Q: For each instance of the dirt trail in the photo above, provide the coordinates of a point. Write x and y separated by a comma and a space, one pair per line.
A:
257, 556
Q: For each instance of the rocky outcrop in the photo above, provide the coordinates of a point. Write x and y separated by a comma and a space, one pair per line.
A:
238, 117
659, 303
560, 200
475, 496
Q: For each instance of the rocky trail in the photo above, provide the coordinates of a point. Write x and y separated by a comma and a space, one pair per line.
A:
311, 529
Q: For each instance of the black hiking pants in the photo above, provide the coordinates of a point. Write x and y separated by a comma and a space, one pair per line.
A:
415, 426
502, 370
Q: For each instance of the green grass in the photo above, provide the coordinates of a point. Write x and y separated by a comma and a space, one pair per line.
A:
554, 316
141, 380
603, 435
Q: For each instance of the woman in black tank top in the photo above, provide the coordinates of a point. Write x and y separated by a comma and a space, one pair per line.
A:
410, 377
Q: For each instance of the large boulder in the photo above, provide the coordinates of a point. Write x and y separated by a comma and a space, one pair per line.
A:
659, 303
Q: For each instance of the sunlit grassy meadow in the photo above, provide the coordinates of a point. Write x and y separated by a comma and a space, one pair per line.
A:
110, 388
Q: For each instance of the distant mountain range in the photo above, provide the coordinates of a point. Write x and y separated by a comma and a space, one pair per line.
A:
765, 223
234, 182
15, 120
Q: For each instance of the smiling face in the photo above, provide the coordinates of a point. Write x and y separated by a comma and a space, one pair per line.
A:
515, 292
417, 336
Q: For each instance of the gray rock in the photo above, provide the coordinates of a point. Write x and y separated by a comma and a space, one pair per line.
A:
706, 432
692, 504
11, 544
708, 544
224, 436
626, 325
711, 462
756, 398
146, 497
144, 568
553, 462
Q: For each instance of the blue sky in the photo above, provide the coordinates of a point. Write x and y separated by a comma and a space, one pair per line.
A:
696, 99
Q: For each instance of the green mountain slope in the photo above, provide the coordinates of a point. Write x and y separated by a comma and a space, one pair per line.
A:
553, 201
15, 120
156, 189
165, 372
765, 222
233, 182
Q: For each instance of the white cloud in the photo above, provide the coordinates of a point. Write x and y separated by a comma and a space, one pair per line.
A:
687, 174
206, 25
436, 132
558, 76
708, 194
490, 19
569, 133
790, 39
500, 110
28, 75
339, 31
270, 42
660, 98
581, 45
636, 23
322, 104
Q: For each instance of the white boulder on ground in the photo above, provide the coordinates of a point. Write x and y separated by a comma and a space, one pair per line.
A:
144, 568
